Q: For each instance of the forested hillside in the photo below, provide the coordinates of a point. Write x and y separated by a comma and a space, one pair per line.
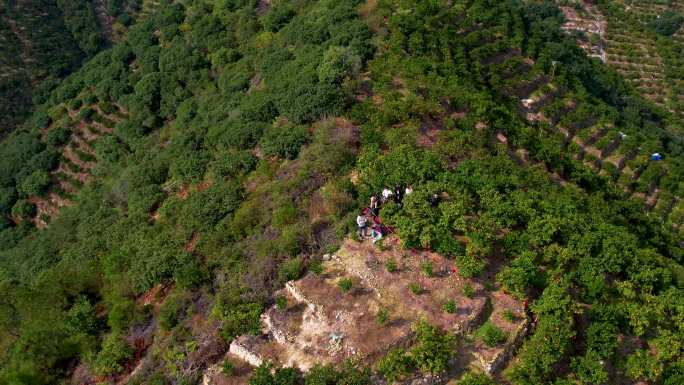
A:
43, 41
158, 200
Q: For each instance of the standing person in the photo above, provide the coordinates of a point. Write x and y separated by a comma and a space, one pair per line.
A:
374, 206
434, 200
386, 194
398, 195
376, 231
528, 312
362, 223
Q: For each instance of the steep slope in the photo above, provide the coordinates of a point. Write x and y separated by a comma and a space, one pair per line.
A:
43, 41
225, 149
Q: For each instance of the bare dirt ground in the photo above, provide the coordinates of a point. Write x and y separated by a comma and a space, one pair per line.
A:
321, 323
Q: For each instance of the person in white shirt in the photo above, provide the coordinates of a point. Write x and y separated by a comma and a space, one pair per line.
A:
362, 223
386, 194
408, 190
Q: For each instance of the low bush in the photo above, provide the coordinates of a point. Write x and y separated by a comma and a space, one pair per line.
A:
490, 334
111, 358
345, 285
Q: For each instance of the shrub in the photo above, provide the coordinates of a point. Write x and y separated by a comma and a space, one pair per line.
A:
642, 366
602, 338
227, 368
205, 209
434, 348
86, 114
58, 136
23, 209
490, 334
235, 77
468, 291
337, 63
391, 265
229, 164
238, 319
508, 315
35, 184
188, 272
395, 365
115, 351
90, 99
40, 119
279, 15
345, 284
589, 369
469, 265
284, 142
171, 312
476, 379
450, 307
81, 317
290, 270
281, 302
415, 288
316, 267
75, 104
284, 214
322, 375
427, 268
124, 19
282, 376
223, 56
383, 316
519, 275
121, 314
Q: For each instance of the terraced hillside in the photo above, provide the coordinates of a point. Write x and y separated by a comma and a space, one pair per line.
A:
35, 45
215, 170
43, 41
641, 39
76, 134
617, 153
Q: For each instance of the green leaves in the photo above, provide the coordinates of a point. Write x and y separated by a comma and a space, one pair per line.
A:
337, 63
551, 339
81, 317
284, 141
396, 364
522, 273
35, 184
667, 23
490, 334
239, 319
433, 348
111, 358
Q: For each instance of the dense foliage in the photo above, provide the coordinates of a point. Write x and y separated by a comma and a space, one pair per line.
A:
228, 169
44, 40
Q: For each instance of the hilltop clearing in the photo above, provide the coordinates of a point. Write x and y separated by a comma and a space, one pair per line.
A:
185, 208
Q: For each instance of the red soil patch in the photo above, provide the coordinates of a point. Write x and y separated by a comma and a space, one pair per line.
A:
192, 243
154, 296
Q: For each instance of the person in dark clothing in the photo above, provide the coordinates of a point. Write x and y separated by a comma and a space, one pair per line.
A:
434, 200
374, 206
528, 312
398, 195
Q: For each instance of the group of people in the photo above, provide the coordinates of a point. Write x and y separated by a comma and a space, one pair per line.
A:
376, 201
